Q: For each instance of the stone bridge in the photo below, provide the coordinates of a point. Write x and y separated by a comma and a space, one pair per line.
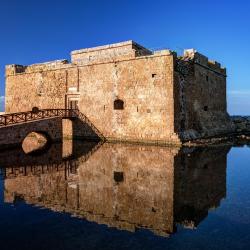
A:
15, 127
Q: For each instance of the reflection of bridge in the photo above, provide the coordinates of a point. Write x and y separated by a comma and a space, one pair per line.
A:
50, 160
15, 127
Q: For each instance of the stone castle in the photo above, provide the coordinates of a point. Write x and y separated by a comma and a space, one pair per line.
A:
128, 92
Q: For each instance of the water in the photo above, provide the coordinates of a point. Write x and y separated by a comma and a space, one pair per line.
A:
115, 196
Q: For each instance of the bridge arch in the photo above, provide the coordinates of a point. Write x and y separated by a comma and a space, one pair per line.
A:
36, 142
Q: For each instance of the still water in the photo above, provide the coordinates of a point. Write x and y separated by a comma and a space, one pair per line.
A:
82, 195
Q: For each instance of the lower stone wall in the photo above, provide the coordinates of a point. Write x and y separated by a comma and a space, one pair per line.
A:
214, 124
242, 124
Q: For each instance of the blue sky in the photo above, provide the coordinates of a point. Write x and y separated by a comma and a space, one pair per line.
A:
39, 31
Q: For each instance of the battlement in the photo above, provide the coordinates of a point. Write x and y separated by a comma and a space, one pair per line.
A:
202, 60
107, 53
18, 69
110, 53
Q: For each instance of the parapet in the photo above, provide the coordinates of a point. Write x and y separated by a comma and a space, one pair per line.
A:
107, 53
165, 52
202, 60
18, 69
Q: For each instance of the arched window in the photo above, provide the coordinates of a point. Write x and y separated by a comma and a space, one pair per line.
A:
35, 110
118, 104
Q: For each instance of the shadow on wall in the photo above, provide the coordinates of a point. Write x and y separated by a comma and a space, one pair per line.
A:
76, 128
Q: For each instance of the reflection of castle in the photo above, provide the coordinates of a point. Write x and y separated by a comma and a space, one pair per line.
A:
128, 186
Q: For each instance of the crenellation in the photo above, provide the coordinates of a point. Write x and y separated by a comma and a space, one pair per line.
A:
166, 52
14, 69
38, 67
198, 58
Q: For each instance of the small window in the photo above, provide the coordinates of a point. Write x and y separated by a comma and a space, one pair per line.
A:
207, 78
118, 104
118, 176
205, 108
182, 124
153, 75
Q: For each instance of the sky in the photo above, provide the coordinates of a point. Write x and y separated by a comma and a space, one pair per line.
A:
40, 31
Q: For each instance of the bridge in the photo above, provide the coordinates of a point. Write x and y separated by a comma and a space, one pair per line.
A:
14, 127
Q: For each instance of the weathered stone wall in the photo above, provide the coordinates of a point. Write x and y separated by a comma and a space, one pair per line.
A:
113, 52
78, 129
37, 86
143, 81
148, 101
14, 135
200, 97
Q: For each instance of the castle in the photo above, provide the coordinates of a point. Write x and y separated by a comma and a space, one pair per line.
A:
129, 92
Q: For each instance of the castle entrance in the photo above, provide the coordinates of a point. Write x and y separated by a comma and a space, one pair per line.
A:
72, 101
73, 104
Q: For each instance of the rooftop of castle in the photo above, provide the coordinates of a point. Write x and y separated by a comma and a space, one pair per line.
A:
126, 50
129, 43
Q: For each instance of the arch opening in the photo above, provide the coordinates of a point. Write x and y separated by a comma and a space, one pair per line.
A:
35, 142
118, 104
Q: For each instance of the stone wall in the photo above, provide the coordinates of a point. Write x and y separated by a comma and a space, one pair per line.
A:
161, 102
113, 52
78, 129
200, 97
144, 82
34, 88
